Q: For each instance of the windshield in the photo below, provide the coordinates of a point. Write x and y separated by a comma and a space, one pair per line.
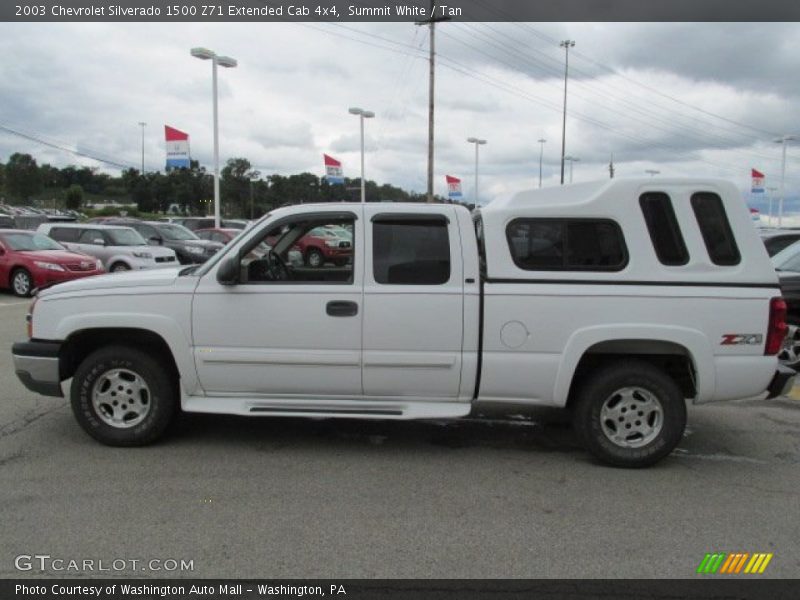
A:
176, 232
125, 237
23, 242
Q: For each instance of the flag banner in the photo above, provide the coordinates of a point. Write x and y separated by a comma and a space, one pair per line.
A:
453, 187
333, 170
758, 182
755, 214
177, 148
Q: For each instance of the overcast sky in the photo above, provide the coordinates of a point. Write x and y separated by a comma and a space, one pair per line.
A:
685, 99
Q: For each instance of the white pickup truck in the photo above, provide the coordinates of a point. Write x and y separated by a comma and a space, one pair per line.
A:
618, 300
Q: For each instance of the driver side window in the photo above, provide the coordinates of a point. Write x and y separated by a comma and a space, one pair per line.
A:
309, 250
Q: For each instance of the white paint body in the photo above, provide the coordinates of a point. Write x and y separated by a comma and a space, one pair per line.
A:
413, 351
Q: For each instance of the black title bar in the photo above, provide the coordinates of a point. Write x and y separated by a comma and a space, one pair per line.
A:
400, 10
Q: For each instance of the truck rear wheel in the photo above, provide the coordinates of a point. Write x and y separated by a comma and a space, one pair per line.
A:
630, 414
123, 397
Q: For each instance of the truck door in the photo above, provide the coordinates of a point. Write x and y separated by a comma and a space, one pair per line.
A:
284, 329
413, 305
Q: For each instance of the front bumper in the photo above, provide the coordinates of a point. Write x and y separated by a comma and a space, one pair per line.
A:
782, 382
36, 365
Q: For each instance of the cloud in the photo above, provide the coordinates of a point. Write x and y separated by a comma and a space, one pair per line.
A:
701, 99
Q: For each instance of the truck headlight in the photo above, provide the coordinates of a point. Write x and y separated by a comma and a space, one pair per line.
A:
142, 255
48, 266
332, 243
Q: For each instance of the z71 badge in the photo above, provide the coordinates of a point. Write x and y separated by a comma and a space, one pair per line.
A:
735, 339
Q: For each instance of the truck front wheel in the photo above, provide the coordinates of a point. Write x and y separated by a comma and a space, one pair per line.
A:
630, 414
122, 396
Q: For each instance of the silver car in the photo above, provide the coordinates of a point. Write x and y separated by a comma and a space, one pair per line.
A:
120, 248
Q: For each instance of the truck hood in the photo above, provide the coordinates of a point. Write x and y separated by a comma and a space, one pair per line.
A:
126, 279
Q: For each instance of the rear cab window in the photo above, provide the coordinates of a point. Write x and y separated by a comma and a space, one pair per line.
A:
665, 233
410, 249
715, 229
567, 244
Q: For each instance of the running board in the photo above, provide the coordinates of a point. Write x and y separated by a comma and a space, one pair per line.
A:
337, 408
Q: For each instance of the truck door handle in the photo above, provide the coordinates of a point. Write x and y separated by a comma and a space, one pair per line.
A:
341, 308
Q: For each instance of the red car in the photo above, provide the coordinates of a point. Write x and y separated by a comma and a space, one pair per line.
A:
223, 234
30, 260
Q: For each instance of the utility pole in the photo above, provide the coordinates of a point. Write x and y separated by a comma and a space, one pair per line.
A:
541, 154
566, 44
431, 22
142, 124
611, 167
783, 140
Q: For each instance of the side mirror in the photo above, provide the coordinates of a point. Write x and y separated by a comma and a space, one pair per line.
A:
228, 271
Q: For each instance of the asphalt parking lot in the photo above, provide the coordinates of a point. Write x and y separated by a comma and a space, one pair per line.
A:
510, 496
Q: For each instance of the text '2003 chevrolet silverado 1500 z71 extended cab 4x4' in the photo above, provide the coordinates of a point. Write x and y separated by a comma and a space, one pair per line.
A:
618, 300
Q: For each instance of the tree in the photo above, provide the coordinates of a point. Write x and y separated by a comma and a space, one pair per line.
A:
235, 186
22, 177
74, 197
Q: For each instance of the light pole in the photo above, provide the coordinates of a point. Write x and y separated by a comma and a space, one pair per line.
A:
142, 124
572, 160
782, 140
652, 172
566, 44
541, 154
222, 61
477, 143
771, 191
362, 114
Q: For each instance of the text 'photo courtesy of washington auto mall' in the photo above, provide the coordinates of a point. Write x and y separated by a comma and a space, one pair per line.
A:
355, 299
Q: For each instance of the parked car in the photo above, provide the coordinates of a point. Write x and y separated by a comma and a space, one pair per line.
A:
208, 222
619, 300
294, 256
324, 245
788, 259
31, 260
189, 248
776, 240
120, 248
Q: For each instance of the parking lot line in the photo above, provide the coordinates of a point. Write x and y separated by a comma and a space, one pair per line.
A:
14, 303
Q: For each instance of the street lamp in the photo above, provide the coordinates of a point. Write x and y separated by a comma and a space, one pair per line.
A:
362, 114
571, 159
477, 143
227, 62
652, 172
771, 191
541, 154
782, 140
566, 44
142, 125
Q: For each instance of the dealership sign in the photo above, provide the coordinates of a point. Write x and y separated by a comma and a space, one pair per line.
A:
177, 148
333, 169
453, 187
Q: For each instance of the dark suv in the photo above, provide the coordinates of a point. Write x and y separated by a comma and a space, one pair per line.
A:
189, 248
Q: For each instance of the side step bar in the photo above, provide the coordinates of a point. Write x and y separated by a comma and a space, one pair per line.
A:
367, 408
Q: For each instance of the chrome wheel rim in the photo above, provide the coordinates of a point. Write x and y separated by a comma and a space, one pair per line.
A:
121, 398
22, 284
631, 417
790, 350
315, 259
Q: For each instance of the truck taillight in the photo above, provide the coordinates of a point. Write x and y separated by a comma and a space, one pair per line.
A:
29, 318
777, 326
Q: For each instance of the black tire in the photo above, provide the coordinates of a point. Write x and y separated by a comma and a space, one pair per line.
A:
314, 258
119, 267
161, 395
21, 283
620, 387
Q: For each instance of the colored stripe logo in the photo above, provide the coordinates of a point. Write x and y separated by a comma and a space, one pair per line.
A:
734, 563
